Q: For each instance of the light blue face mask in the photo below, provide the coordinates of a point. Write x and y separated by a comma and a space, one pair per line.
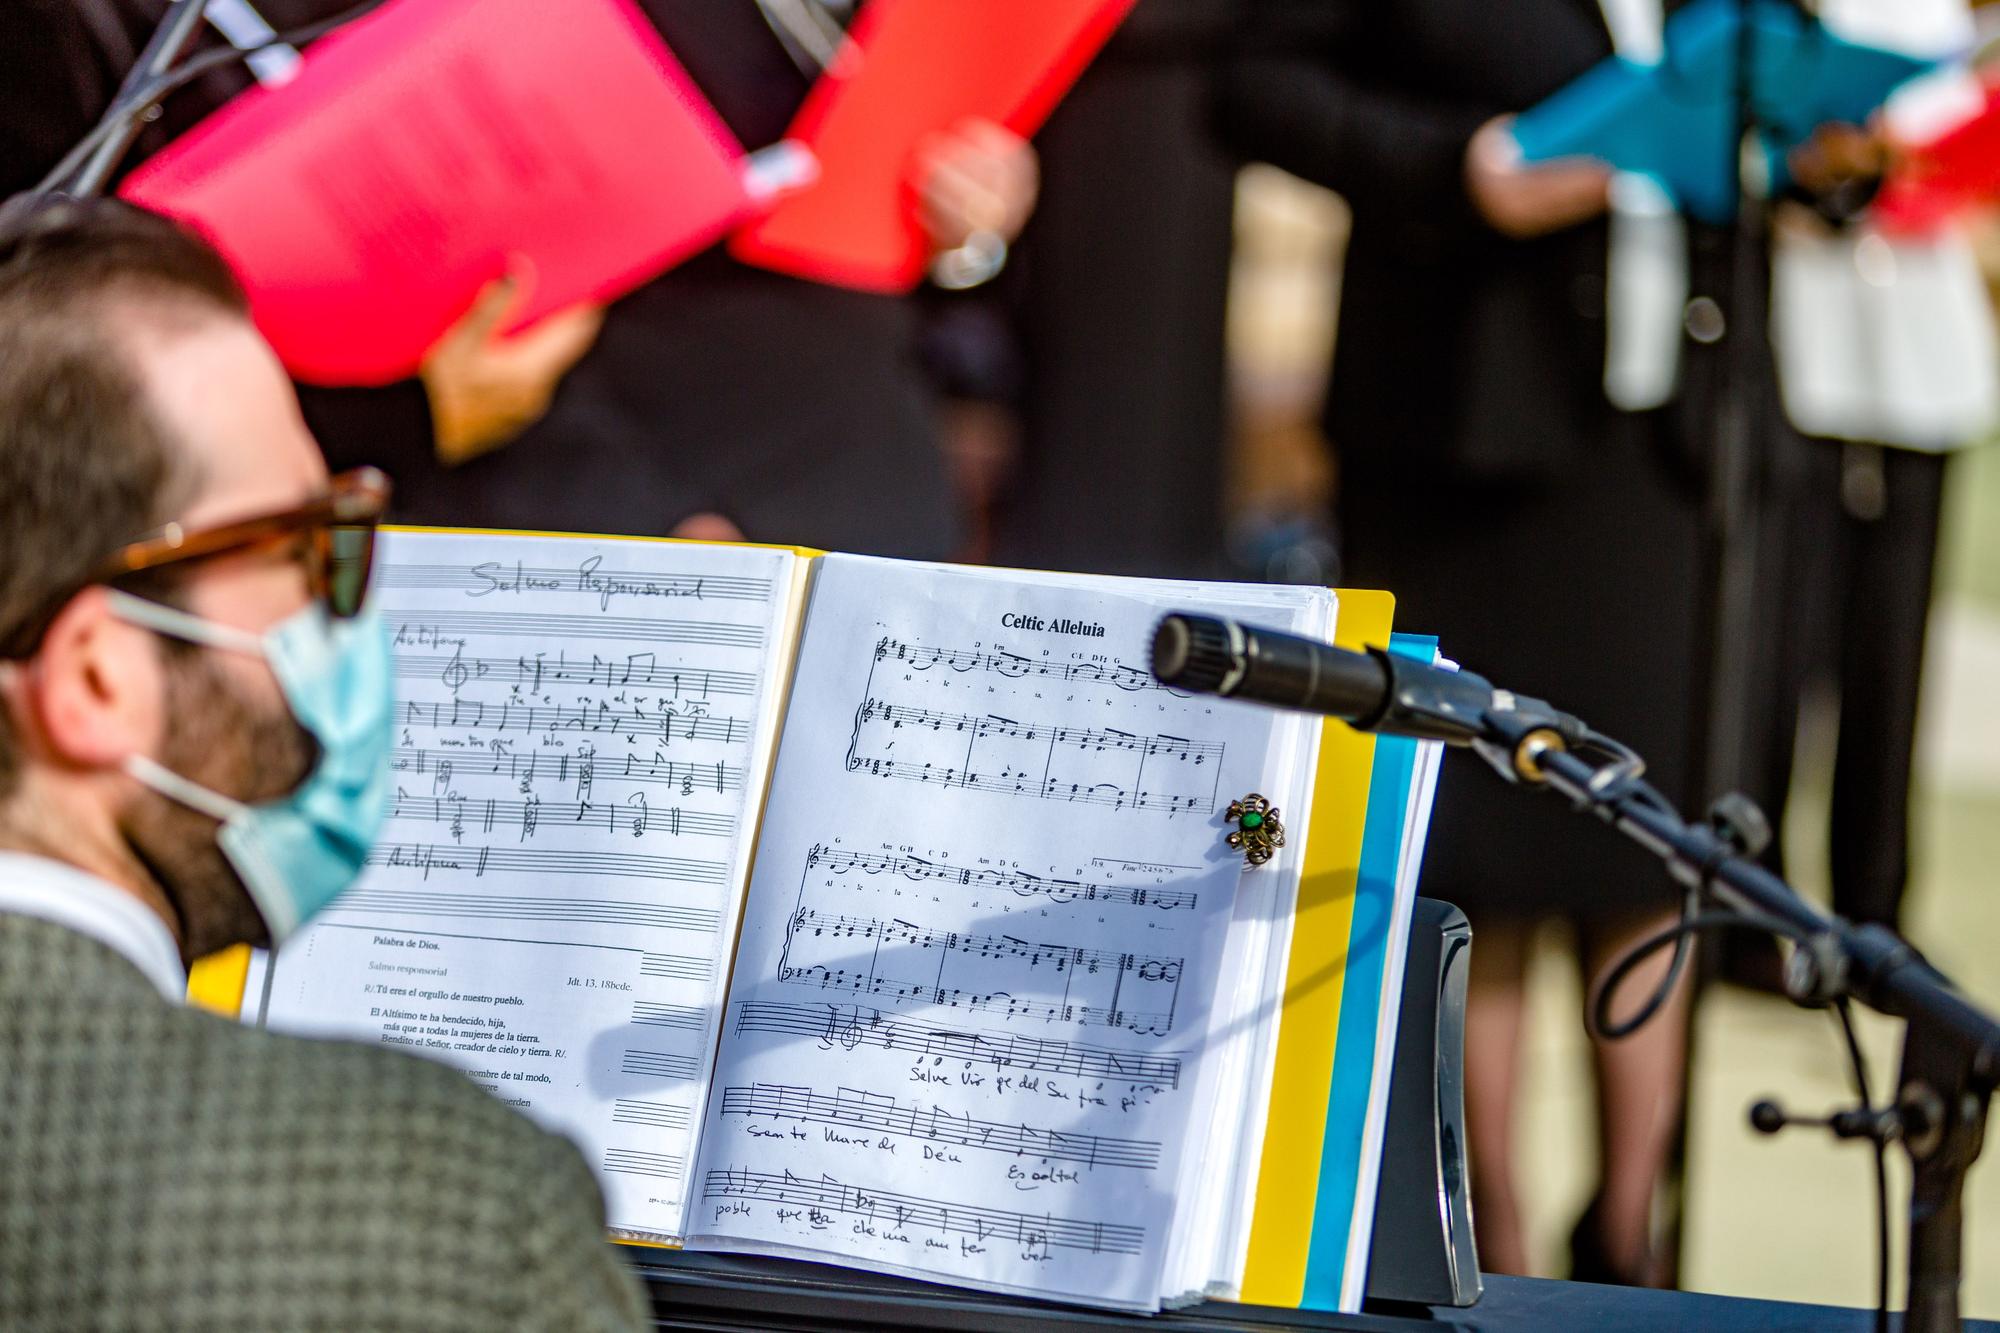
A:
295, 854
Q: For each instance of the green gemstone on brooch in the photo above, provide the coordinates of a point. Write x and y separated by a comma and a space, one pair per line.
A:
1257, 834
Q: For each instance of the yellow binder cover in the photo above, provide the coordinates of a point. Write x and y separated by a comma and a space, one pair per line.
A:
1281, 1227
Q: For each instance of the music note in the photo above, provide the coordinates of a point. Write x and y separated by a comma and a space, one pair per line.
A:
828, 1194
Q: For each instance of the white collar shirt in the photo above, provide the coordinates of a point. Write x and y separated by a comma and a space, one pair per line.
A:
65, 896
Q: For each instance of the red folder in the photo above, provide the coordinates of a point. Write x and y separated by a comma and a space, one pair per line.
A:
365, 203
1957, 170
913, 67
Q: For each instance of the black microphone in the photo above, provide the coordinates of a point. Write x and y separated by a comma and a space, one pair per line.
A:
1372, 691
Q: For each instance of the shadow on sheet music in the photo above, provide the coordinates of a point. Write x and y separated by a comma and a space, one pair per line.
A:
861, 995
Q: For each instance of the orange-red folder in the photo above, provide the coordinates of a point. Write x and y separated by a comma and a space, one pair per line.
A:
365, 203
913, 67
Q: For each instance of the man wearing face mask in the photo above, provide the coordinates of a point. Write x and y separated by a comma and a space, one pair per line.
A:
195, 711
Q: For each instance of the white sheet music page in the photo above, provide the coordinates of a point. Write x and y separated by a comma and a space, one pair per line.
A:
582, 729
964, 1034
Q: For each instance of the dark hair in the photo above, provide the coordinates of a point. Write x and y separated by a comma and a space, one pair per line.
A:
84, 465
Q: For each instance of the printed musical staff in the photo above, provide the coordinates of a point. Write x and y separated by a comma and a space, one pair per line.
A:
850, 1026
533, 816
660, 1064
370, 898
534, 672
1016, 882
919, 657
524, 771
889, 1208
659, 1165
1103, 766
1004, 975
1011, 783
676, 967
647, 1013
659, 1115
432, 860
416, 627
664, 722
869, 1111
1083, 738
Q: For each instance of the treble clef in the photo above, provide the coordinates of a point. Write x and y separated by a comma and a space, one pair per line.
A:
455, 674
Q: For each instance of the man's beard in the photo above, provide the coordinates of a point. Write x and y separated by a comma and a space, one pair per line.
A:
217, 739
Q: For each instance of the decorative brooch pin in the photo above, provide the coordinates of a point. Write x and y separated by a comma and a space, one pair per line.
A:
1258, 834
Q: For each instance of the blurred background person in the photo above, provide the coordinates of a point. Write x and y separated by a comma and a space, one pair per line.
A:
718, 401
61, 62
1114, 301
1888, 364
752, 402
1485, 479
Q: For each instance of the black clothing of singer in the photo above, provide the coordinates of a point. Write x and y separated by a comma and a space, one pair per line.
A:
1550, 541
795, 409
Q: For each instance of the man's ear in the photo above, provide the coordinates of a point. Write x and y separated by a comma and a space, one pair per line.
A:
93, 693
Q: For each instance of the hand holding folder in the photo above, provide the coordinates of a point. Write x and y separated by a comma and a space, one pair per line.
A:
912, 69
367, 202
1676, 120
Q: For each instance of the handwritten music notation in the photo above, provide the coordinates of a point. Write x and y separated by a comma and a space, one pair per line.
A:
850, 1026
1090, 765
919, 657
578, 725
627, 1161
429, 859
871, 1112
828, 1195
1000, 974
533, 816
417, 627
1017, 882
525, 770
665, 722
589, 577
368, 897
534, 673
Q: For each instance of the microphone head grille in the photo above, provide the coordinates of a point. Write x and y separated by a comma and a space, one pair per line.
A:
1192, 653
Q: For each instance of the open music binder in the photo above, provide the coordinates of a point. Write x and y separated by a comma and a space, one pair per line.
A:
879, 913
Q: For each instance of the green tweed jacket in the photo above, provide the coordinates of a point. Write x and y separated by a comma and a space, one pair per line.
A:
162, 1168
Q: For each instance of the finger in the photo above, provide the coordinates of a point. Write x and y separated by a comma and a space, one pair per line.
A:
552, 345
966, 196
989, 137
496, 303
994, 162
707, 527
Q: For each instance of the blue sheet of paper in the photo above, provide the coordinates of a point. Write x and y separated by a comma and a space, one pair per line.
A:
1676, 120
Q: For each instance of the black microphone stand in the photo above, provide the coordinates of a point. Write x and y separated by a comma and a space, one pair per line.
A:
1951, 1048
